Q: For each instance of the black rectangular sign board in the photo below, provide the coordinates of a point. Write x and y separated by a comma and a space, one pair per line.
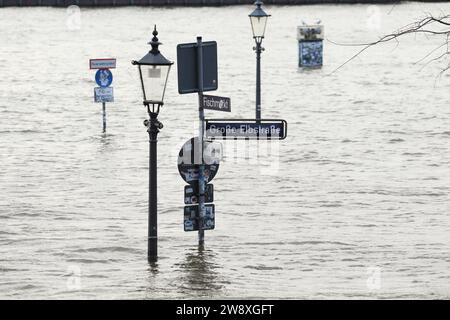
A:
234, 129
191, 220
216, 103
187, 67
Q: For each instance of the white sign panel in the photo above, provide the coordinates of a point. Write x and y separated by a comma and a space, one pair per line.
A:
103, 94
102, 63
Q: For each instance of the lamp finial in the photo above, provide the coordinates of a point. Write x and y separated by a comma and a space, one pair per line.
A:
155, 42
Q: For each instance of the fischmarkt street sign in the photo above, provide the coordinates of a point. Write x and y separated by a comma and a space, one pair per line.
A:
216, 103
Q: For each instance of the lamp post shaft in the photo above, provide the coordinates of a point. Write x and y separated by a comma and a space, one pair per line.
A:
258, 80
153, 130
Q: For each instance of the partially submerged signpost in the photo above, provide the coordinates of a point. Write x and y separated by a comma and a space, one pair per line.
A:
197, 72
198, 160
189, 164
103, 77
310, 45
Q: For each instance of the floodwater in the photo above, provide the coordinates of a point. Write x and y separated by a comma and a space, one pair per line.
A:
353, 204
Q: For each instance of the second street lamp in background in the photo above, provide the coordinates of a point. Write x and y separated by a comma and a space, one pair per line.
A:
153, 71
258, 20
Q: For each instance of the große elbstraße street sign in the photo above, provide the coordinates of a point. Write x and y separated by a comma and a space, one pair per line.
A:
248, 129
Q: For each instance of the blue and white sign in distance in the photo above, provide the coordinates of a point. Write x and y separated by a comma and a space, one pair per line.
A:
103, 77
103, 94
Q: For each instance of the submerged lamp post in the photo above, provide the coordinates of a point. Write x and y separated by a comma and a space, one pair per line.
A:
153, 71
258, 20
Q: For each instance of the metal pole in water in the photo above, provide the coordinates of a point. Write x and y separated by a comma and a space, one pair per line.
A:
153, 129
104, 117
258, 80
258, 90
201, 178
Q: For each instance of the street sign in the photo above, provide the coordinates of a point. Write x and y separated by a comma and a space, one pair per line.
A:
102, 63
191, 215
189, 160
310, 45
216, 103
187, 67
103, 94
264, 129
191, 194
103, 77
190, 152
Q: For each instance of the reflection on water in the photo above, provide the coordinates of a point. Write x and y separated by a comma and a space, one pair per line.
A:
106, 140
153, 268
198, 273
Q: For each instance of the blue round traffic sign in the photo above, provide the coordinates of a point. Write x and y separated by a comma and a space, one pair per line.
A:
103, 77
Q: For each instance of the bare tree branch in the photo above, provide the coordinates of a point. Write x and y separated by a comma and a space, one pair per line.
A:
428, 26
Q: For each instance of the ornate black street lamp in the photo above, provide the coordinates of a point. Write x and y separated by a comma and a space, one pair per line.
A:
153, 71
258, 20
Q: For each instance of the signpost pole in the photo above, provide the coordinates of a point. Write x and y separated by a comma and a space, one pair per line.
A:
104, 117
201, 113
103, 77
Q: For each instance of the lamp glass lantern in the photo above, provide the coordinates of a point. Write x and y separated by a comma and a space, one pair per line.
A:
154, 71
258, 20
